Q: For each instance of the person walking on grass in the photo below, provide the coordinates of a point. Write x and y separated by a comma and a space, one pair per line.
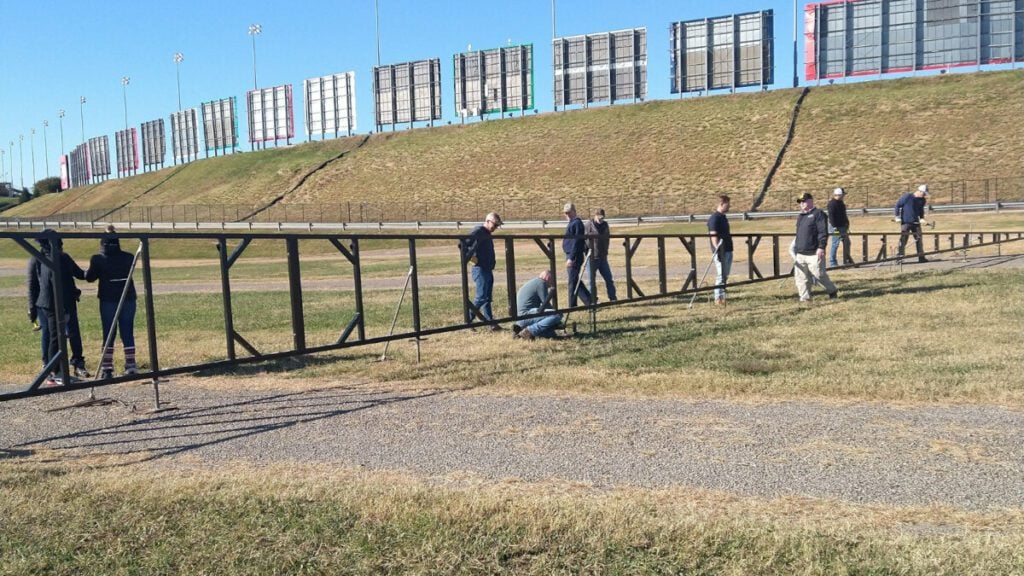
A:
721, 246
910, 215
811, 239
533, 298
574, 245
113, 268
598, 230
42, 304
839, 227
479, 250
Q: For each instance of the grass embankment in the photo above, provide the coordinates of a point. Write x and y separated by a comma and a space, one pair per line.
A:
904, 132
85, 519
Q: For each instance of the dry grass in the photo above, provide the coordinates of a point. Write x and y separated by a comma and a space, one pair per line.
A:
103, 516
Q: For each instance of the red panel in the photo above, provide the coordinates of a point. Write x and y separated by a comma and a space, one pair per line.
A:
810, 43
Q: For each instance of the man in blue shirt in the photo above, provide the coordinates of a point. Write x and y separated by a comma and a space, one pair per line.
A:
721, 245
479, 248
575, 246
910, 215
533, 298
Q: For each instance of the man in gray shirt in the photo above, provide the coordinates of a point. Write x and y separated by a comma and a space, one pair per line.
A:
533, 298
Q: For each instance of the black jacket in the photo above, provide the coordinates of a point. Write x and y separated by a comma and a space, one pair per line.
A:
811, 232
910, 208
112, 267
837, 214
601, 234
575, 244
41, 281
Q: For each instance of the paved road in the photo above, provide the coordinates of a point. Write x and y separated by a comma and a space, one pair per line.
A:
963, 456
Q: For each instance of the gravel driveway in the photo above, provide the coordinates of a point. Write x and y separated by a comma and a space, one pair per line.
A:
966, 456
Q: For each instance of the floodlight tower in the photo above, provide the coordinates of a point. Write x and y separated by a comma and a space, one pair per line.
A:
32, 152
46, 148
254, 31
796, 76
125, 80
21, 158
60, 119
178, 58
81, 110
3, 165
376, 16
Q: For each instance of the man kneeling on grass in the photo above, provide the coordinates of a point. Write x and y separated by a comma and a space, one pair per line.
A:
533, 298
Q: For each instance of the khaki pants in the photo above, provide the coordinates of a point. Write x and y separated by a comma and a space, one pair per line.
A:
806, 269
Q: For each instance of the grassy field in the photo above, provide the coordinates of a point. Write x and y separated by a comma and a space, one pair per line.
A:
97, 517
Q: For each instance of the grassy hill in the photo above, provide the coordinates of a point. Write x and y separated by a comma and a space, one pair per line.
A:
874, 138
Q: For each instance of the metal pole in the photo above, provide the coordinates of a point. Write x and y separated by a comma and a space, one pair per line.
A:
81, 110
178, 57
124, 95
32, 152
376, 16
254, 31
60, 117
46, 149
21, 158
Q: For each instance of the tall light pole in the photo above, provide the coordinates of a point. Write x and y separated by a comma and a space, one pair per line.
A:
46, 148
32, 150
376, 17
178, 58
3, 165
60, 119
125, 80
796, 75
81, 110
21, 158
12, 161
254, 31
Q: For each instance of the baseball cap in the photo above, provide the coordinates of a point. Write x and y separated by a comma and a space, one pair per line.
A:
569, 207
838, 192
923, 188
599, 211
805, 197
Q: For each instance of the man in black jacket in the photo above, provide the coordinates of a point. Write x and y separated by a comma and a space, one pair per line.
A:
910, 215
811, 239
479, 249
113, 268
42, 306
600, 233
839, 227
574, 245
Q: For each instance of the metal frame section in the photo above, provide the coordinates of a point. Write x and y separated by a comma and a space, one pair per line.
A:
679, 257
271, 114
79, 170
865, 37
185, 136
724, 52
99, 158
409, 92
220, 126
497, 80
603, 67
330, 105
126, 144
154, 144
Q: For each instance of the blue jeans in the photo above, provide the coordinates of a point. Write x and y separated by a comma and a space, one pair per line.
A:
125, 323
43, 317
541, 326
606, 272
484, 280
573, 272
75, 336
836, 239
723, 265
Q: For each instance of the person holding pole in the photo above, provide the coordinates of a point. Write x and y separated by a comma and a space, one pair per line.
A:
113, 268
811, 239
574, 245
480, 252
721, 244
839, 227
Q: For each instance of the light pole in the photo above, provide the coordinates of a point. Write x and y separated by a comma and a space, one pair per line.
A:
60, 119
376, 17
3, 165
12, 161
125, 80
21, 158
178, 58
81, 110
46, 149
796, 76
254, 31
32, 151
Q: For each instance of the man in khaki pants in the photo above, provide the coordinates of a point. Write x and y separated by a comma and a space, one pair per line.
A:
809, 248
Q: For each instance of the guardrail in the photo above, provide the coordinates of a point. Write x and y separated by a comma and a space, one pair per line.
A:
671, 271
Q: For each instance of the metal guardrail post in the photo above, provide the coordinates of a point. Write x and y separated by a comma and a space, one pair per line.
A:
225, 287
357, 279
416, 324
464, 282
662, 272
295, 293
510, 275
147, 284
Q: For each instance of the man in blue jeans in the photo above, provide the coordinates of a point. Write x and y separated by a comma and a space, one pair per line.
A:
599, 230
533, 298
721, 246
574, 245
479, 249
839, 227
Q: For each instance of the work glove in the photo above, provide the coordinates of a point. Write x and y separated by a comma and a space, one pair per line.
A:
896, 219
924, 222
32, 314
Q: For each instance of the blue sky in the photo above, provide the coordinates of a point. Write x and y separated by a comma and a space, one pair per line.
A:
54, 51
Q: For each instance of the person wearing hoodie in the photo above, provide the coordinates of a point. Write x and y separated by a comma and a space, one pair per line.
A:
42, 305
113, 268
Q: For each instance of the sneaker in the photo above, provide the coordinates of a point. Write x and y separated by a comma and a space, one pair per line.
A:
131, 370
833, 295
516, 328
833, 264
922, 259
106, 373
51, 381
80, 371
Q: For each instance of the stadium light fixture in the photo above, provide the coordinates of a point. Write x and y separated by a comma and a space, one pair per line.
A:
178, 59
254, 31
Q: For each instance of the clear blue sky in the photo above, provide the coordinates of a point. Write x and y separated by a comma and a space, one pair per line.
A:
54, 51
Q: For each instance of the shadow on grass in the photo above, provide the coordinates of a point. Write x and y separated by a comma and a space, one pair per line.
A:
166, 435
284, 365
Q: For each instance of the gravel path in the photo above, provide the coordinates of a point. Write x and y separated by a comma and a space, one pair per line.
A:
965, 456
